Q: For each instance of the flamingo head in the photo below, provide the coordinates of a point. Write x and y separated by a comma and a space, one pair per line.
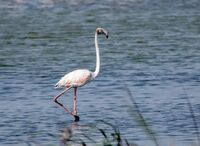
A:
102, 31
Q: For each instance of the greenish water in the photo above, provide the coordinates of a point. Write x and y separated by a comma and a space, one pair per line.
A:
153, 47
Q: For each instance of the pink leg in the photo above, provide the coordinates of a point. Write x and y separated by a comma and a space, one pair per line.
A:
75, 111
56, 101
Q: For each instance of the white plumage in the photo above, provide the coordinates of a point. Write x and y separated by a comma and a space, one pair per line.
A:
76, 78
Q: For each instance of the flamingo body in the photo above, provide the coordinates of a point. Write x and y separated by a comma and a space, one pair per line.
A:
76, 78
79, 77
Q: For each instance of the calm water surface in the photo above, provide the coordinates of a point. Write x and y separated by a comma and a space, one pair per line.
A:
153, 48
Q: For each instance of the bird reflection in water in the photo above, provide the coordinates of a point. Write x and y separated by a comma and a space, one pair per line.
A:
66, 136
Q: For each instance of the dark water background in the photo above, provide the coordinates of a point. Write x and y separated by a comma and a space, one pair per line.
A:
153, 48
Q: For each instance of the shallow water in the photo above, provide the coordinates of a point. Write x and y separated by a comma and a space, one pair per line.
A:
153, 48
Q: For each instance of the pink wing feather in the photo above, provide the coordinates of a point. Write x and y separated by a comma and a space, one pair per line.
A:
75, 78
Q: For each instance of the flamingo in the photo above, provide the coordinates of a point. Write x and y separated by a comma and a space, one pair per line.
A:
79, 77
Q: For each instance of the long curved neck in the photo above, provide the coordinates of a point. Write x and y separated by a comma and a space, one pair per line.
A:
96, 72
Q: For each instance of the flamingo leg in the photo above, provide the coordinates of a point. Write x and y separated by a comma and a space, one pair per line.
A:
56, 101
75, 111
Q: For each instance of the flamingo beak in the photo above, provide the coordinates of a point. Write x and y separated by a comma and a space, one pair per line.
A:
107, 35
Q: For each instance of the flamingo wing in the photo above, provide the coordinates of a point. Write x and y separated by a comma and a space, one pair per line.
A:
75, 78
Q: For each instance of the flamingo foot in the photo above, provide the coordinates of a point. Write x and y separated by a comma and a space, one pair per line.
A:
76, 118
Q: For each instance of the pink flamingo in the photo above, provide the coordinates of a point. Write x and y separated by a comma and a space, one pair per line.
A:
80, 77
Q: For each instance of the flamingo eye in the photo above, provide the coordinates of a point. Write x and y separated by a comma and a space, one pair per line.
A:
99, 31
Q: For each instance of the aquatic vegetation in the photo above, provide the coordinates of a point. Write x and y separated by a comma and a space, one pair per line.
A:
113, 137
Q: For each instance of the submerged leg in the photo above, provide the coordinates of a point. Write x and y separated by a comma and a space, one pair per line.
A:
75, 110
56, 101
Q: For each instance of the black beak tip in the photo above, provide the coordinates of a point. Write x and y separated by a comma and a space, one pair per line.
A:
107, 36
